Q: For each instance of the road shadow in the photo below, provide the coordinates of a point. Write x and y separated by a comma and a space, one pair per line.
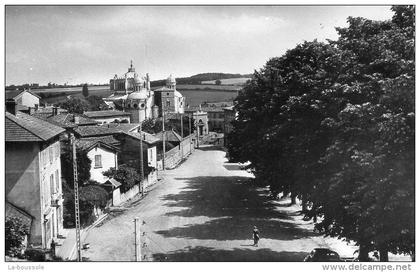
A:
234, 206
210, 148
232, 166
208, 254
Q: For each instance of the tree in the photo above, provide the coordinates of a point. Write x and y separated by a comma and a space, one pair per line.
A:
85, 90
334, 124
15, 233
74, 105
91, 196
96, 103
83, 166
218, 82
127, 176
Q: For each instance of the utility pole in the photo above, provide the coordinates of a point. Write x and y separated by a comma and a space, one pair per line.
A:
182, 126
141, 159
182, 138
76, 200
189, 120
137, 248
197, 129
163, 136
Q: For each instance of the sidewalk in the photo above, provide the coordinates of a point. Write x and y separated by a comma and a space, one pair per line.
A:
343, 248
66, 247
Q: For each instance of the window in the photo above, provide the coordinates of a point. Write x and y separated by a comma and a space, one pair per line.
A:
98, 161
151, 155
57, 181
168, 103
52, 184
50, 153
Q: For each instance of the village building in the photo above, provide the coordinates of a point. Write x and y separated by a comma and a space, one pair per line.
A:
109, 116
229, 115
33, 174
103, 156
67, 120
126, 138
132, 94
201, 120
168, 98
24, 98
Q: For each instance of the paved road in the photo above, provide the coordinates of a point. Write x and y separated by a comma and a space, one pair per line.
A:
205, 210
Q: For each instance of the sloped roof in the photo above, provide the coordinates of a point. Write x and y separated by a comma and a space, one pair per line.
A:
113, 182
105, 113
68, 120
106, 129
25, 128
13, 211
89, 143
148, 138
15, 93
170, 135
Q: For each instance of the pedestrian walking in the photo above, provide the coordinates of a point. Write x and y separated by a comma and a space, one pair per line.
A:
256, 236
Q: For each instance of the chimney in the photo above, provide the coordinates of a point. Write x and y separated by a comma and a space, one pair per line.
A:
76, 119
31, 110
11, 106
54, 111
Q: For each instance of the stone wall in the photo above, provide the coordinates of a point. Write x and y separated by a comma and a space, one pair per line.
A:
183, 150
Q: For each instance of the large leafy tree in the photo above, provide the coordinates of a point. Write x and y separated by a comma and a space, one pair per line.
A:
127, 176
74, 105
371, 160
334, 123
83, 167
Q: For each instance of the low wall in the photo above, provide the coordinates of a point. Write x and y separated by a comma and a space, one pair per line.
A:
118, 198
175, 155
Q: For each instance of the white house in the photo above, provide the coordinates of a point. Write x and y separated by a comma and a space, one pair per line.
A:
24, 97
103, 156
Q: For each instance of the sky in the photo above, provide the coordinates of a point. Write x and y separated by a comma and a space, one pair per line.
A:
77, 44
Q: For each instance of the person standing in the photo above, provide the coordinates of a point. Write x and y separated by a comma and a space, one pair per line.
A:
256, 236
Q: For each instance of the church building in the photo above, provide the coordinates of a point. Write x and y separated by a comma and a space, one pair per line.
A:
132, 94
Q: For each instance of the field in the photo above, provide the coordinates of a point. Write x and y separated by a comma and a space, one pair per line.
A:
195, 97
57, 95
229, 81
211, 87
195, 94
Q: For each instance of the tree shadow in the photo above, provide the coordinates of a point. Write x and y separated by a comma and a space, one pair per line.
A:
234, 207
208, 254
210, 148
232, 166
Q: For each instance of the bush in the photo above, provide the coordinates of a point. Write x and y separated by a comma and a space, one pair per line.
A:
36, 254
15, 234
127, 176
89, 196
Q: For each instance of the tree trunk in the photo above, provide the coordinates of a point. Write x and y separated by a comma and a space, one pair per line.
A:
383, 254
363, 253
315, 218
293, 198
304, 203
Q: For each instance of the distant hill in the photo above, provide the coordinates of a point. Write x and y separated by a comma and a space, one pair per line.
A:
197, 79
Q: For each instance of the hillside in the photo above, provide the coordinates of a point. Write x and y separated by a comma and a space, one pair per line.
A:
197, 79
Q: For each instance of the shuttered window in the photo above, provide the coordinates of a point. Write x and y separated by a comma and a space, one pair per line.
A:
98, 161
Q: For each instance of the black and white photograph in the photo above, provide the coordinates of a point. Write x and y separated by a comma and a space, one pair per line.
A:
209, 133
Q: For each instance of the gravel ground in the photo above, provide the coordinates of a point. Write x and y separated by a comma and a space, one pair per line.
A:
205, 210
